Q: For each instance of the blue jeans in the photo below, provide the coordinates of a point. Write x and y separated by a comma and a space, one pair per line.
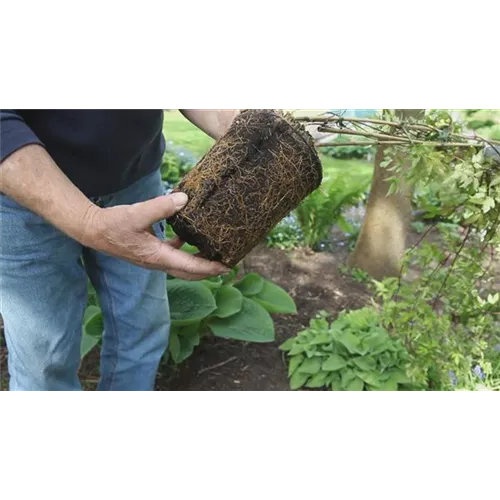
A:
43, 293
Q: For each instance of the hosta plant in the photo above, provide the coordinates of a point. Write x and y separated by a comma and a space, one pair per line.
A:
229, 307
353, 353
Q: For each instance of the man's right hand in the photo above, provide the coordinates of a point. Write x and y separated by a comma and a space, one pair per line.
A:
125, 232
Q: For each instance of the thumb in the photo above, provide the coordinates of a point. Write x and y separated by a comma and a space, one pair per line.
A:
162, 207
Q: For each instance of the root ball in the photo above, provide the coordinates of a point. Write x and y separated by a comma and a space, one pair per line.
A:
254, 176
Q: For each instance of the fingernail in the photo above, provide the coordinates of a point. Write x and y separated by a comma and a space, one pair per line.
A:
179, 199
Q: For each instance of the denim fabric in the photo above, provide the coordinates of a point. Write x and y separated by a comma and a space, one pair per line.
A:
43, 292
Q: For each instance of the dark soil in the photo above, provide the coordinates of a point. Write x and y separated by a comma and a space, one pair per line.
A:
315, 283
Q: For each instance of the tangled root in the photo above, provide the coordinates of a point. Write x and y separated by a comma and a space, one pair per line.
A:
254, 176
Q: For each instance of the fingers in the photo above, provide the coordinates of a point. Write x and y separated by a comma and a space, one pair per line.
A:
177, 261
188, 277
162, 207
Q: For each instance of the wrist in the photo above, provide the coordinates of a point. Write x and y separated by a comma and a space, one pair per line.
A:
91, 232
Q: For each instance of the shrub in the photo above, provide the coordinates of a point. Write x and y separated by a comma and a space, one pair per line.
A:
353, 353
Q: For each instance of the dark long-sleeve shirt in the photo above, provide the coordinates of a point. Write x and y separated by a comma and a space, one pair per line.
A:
101, 151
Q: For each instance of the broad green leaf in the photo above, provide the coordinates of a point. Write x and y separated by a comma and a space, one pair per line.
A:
365, 363
213, 283
275, 300
297, 349
87, 344
336, 383
347, 377
189, 338
311, 351
355, 385
334, 363
228, 278
288, 344
297, 380
369, 378
174, 346
317, 381
190, 301
322, 338
310, 366
397, 376
93, 324
251, 324
250, 285
295, 362
349, 341
388, 385
229, 301
90, 311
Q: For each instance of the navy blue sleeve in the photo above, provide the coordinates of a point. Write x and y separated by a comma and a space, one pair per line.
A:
14, 133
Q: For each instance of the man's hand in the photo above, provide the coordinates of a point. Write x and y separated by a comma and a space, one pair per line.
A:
214, 122
33, 179
125, 232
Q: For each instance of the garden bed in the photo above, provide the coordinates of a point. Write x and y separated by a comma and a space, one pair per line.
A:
315, 283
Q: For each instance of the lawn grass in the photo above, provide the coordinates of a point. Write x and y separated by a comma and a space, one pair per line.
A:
183, 133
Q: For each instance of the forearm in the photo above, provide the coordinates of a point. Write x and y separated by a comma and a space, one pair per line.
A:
32, 178
214, 122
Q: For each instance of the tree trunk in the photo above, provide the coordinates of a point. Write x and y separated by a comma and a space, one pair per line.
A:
382, 240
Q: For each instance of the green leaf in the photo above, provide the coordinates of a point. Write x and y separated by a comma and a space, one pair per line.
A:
317, 381
297, 349
229, 301
275, 300
388, 385
287, 345
190, 301
189, 338
310, 366
297, 380
251, 284
336, 383
349, 341
92, 329
355, 385
397, 376
369, 378
488, 204
347, 377
228, 278
334, 363
174, 346
93, 323
213, 283
365, 363
251, 324
321, 338
90, 311
87, 344
294, 364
